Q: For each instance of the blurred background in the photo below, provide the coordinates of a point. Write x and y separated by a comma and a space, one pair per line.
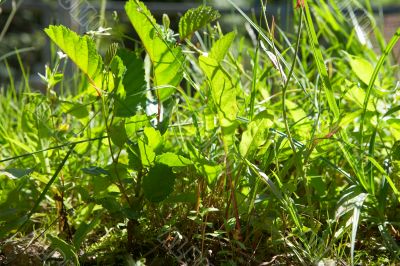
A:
22, 40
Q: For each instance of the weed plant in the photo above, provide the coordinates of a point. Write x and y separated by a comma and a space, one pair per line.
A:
205, 147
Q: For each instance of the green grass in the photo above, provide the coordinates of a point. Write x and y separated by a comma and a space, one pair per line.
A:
273, 147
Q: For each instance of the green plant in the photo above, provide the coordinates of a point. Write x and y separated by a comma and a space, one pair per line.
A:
284, 149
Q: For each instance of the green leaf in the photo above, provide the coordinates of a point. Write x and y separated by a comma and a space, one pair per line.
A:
356, 95
95, 171
173, 160
395, 151
149, 145
67, 250
83, 230
223, 92
212, 172
166, 60
195, 19
75, 109
392, 110
111, 53
318, 184
388, 178
118, 134
135, 124
118, 172
16, 173
220, 48
362, 68
254, 136
189, 197
129, 78
158, 183
319, 60
168, 108
81, 50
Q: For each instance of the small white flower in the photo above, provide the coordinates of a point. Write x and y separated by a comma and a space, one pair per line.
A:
61, 55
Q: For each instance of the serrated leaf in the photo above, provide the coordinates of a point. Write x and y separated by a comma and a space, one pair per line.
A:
158, 183
81, 50
220, 48
131, 85
166, 59
67, 251
173, 160
195, 19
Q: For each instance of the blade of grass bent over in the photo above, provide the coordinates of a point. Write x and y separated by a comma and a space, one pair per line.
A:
387, 51
320, 62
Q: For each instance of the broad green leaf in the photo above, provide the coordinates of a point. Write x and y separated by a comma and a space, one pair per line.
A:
75, 109
318, 184
129, 78
195, 19
349, 118
166, 59
220, 48
295, 111
149, 145
81, 50
212, 172
67, 251
118, 134
173, 160
135, 124
223, 92
356, 95
111, 204
118, 172
362, 68
134, 155
158, 183
254, 136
